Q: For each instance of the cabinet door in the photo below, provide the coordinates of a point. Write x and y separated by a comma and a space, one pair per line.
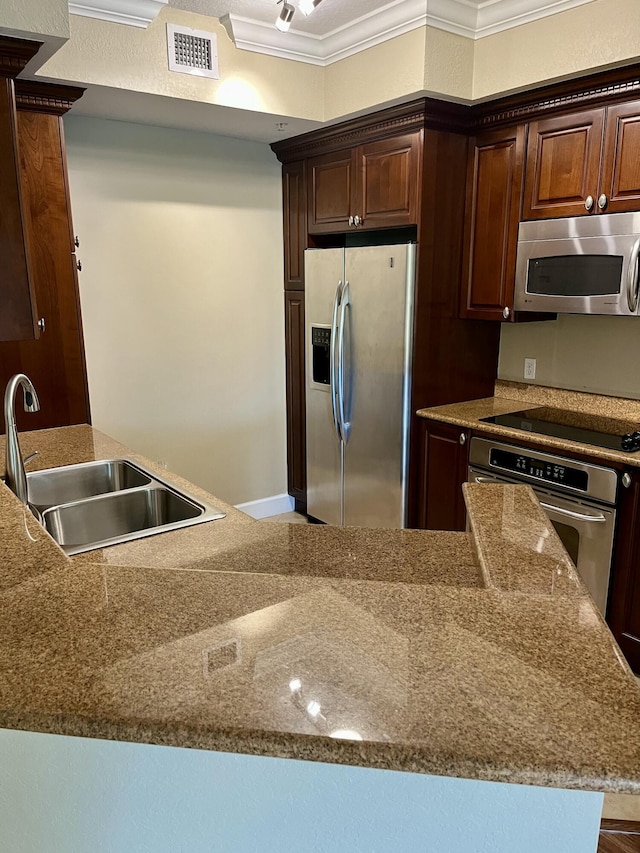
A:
294, 199
55, 362
330, 191
563, 165
296, 432
444, 455
386, 189
621, 164
494, 194
623, 609
18, 301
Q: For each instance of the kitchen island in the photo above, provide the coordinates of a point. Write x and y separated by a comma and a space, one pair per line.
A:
309, 661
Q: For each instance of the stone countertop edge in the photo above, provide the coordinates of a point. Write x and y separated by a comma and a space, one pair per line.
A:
466, 676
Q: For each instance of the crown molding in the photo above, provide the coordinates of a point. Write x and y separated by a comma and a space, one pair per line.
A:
54, 99
15, 54
462, 17
133, 13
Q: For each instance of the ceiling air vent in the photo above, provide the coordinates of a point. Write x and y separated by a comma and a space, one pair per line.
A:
192, 51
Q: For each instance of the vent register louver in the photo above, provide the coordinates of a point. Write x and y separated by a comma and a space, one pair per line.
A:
192, 51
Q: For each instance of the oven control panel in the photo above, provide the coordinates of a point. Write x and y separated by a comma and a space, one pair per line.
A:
550, 472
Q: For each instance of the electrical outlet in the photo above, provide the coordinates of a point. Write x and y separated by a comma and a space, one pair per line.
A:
529, 368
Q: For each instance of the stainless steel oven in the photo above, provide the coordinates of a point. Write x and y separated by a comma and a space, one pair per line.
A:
579, 498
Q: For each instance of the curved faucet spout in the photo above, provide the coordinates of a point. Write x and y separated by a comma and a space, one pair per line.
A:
16, 478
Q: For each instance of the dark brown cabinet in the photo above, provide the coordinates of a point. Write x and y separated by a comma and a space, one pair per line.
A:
295, 223
55, 362
295, 390
623, 612
492, 213
18, 310
444, 455
374, 185
584, 163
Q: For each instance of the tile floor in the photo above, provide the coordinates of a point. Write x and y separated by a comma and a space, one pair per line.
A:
616, 806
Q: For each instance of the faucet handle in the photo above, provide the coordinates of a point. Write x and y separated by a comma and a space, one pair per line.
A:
30, 457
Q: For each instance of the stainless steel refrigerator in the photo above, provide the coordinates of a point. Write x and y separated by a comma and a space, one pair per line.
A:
359, 328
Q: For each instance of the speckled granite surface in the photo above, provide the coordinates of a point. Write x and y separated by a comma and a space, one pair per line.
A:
498, 669
513, 397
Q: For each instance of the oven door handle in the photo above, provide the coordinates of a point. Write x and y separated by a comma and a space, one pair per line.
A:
486, 480
579, 516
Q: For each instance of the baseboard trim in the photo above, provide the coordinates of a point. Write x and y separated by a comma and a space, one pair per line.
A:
266, 507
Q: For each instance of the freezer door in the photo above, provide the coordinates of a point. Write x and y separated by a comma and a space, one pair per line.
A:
324, 272
378, 330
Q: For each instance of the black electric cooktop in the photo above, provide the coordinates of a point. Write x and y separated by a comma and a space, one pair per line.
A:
575, 426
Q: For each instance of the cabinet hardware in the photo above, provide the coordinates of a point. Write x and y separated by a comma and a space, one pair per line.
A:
588, 202
626, 480
463, 438
602, 201
357, 221
351, 220
41, 324
79, 265
76, 241
505, 312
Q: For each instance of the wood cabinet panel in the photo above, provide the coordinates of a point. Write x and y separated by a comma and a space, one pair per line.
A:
443, 470
18, 307
621, 159
388, 180
295, 224
563, 164
55, 362
295, 389
494, 193
330, 192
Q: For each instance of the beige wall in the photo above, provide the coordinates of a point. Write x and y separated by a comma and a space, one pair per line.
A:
35, 17
448, 66
596, 354
591, 36
181, 293
136, 59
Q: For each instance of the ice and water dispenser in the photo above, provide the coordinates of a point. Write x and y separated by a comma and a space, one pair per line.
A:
321, 348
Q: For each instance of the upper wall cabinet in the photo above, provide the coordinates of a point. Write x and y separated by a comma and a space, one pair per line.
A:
584, 163
492, 213
18, 311
374, 185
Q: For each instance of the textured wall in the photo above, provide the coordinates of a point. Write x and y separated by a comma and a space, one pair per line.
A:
448, 66
35, 17
591, 36
181, 293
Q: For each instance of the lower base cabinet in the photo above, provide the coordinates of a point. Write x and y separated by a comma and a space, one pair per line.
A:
623, 612
444, 454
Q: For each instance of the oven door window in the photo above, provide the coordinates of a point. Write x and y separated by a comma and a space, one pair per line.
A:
570, 539
575, 275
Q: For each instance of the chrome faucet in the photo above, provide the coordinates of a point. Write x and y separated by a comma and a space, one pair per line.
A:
16, 478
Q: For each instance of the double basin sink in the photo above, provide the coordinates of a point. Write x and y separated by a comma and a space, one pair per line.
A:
96, 504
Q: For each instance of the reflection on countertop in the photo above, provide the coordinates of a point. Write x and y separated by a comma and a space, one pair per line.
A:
477, 655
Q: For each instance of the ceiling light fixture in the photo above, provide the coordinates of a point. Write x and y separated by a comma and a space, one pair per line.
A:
284, 20
307, 6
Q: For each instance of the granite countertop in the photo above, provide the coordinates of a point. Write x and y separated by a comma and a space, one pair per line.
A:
476, 655
513, 397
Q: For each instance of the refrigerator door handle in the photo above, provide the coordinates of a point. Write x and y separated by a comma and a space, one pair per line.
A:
333, 355
345, 426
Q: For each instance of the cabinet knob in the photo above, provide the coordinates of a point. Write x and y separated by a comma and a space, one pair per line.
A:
506, 311
351, 220
626, 480
357, 221
588, 202
79, 265
41, 324
463, 438
602, 201
76, 241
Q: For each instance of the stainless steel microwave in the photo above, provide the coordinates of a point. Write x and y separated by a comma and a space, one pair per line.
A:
579, 265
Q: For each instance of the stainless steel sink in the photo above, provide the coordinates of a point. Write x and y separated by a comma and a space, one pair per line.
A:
75, 482
103, 503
